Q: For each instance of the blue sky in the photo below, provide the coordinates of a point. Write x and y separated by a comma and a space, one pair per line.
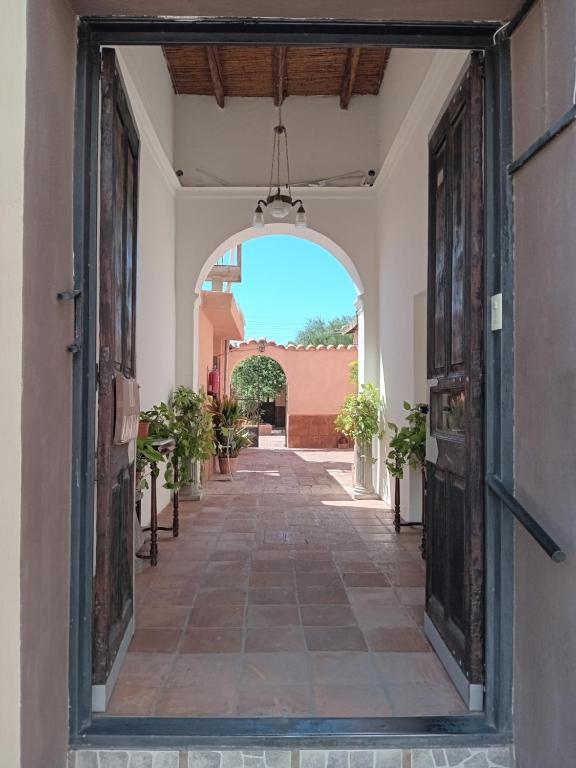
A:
285, 281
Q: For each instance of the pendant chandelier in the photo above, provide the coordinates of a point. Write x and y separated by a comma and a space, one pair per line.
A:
279, 200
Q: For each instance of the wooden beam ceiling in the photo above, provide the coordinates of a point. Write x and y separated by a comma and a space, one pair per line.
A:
349, 77
276, 72
216, 74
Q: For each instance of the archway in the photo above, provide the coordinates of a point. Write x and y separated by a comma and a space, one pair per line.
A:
311, 235
260, 384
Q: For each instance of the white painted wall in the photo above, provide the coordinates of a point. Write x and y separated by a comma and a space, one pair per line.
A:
234, 144
402, 221
149, 73
12, 103
156, 291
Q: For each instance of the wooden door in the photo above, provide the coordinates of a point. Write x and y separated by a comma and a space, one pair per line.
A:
113, 579
455, 510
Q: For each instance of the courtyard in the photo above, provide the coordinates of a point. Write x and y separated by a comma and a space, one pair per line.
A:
283, 597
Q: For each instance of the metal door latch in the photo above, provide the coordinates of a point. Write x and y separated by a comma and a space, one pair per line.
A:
68, 295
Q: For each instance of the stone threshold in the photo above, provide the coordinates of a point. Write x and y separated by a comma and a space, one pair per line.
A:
456, 757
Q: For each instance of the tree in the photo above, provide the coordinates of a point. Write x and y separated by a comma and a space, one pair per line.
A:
258, 378
319, 331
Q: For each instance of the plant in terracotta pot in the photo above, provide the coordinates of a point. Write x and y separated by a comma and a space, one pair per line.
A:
230, 434
360, 420
146, 418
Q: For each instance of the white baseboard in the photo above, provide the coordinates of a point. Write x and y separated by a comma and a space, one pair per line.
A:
472, 693
101, 693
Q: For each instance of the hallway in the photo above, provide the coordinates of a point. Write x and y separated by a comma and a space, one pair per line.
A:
284, 597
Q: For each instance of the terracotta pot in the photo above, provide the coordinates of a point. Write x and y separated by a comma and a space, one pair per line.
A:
143, 428
228, 464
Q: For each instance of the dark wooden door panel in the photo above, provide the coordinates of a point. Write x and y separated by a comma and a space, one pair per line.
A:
115, 469
455, 567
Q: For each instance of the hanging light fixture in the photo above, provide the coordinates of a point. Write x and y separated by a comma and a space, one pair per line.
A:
279, 202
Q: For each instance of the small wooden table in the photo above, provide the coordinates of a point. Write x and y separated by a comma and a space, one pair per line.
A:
165, 447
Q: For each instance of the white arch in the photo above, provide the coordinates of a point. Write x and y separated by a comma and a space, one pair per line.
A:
283, 229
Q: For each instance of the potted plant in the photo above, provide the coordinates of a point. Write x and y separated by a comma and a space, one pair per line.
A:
146, 417
232, 441
360, 420
408, 446
186, 419
147, 458
230, 434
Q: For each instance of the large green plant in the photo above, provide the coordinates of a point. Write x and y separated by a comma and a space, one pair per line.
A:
258, 378
408, 443
230, 435
186, 418
360, 416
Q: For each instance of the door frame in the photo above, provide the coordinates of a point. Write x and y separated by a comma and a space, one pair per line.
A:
493, 726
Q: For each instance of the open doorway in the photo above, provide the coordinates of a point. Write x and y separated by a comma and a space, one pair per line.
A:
370, 365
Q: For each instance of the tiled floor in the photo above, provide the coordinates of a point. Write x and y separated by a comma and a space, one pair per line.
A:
283, 596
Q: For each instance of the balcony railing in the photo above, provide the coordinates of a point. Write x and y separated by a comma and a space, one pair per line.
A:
227, 270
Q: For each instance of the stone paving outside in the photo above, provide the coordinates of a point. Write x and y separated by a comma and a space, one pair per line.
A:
283, 596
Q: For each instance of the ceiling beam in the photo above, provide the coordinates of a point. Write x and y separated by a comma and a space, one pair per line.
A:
279, 74
349, 77
215, 74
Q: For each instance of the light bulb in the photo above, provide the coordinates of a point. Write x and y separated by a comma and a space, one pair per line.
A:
279, 209
258, 219
301, 221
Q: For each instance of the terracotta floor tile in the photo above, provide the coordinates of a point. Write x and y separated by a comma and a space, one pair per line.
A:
159, 597
155, 640
133, 700
272, 616
406, 668
146, 669
334, 639
396, 639
272, 579
367, 596
376, 616
205, 670
365, 580
425, 700
304, 566
211, 640
319, 579
411, 595
275, 669
217, 616
271, 595
351, 701
327, 616
225, 580
272, 565
273, 639
154, 615
276, 701
401, 575
220, 596
218, 701
359, 566
322, 595
343, 668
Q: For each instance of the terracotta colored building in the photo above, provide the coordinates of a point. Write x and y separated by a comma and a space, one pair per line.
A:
318, 380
